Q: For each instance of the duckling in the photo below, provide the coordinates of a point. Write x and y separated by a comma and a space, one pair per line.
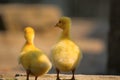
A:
65, 54
33, 59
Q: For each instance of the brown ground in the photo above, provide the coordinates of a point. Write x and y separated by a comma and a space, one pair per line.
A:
65, 77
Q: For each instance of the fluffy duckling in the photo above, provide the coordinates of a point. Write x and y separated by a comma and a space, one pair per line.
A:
65, 54
33, 59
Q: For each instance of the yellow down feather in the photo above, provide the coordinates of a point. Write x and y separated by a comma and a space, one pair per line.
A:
65, 54
33, 59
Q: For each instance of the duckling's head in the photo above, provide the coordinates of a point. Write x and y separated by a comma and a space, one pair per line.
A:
63, 23
29, 34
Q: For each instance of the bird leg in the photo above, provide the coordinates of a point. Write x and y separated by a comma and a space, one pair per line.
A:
57, 74
28, 73
73, 77
36, 77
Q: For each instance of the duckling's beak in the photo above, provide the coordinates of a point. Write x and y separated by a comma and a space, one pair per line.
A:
56, 25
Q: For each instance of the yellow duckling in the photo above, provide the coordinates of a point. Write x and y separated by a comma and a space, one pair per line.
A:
65, 54
33, 59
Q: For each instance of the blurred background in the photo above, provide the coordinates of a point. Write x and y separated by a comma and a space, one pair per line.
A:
90, 29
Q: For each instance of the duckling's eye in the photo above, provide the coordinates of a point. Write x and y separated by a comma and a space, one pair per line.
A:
60, 21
